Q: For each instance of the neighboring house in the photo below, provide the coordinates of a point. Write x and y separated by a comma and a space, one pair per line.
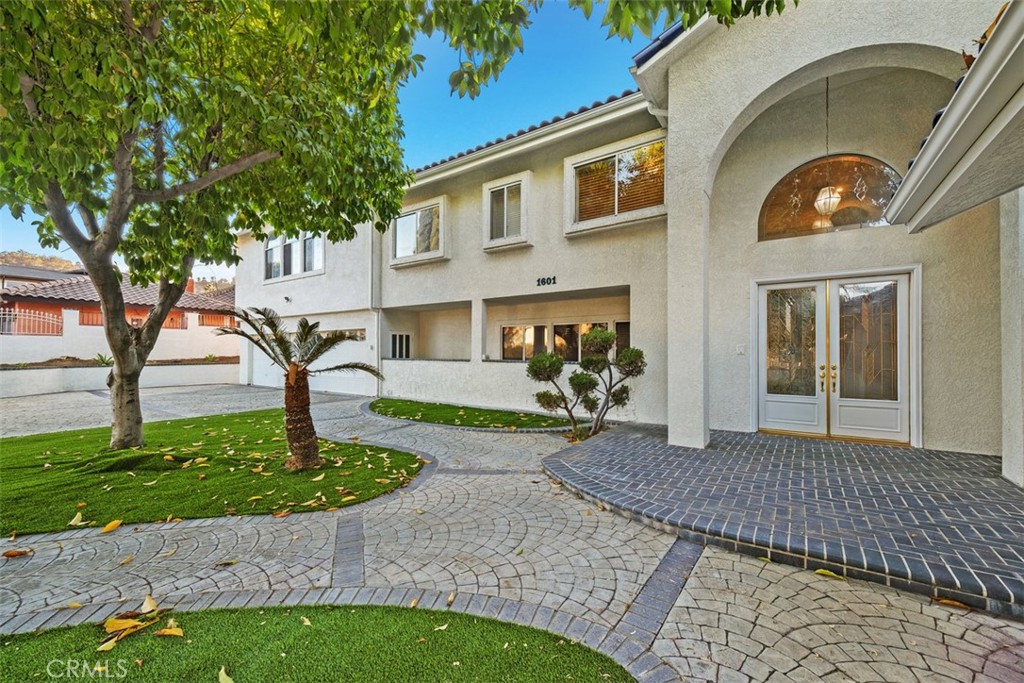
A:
737, 220
13, 275
61, 317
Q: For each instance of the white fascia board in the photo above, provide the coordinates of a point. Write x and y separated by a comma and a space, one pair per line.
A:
989, 86
592, 118
652, 76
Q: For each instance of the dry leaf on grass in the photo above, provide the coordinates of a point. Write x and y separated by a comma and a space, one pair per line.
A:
320, 478
170, 632
223, 677
305, 621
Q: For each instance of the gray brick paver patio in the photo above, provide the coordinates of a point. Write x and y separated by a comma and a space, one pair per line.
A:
484, 523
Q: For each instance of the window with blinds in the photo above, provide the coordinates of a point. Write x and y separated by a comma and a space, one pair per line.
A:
618, 183
506, 211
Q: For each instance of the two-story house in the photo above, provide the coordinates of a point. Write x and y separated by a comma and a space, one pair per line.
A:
730, 219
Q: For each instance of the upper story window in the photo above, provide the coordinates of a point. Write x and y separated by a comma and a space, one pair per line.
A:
286, 256
838, 192
505, 212
616, 184
419, 234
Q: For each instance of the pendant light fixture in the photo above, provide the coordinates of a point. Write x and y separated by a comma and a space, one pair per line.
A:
828, 197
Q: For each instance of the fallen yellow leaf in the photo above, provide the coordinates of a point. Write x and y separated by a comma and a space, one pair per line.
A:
320, 478
114, 625
127, 560
829, 574
110, 526
223, 677
77, 520
414, 603
18, 553
305, 621
149, 483
148, 605
170, 632
107, 645
451, 598
442, 627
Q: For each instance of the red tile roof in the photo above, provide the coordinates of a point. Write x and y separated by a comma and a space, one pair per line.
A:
523, 131
79, 289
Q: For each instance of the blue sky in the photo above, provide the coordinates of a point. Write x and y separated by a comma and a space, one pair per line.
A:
567, 62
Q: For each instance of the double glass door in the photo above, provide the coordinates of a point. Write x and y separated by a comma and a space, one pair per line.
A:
833, 358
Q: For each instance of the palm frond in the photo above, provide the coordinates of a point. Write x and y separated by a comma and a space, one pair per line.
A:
307, 337
351, 367
325, 343
261, 321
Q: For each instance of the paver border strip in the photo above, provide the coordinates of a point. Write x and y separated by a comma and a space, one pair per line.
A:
978, 590
632, 654
364, 408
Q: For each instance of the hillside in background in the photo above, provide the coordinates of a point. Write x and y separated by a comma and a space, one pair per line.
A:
24, 258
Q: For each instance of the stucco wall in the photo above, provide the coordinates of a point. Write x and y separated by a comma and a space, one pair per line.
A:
473, 384
1012, 276
444, 333
342, 285
718, 86
632, 257
255, 368
15, 383
883, 116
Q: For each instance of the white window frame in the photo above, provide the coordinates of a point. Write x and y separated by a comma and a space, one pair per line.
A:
515, 241
298, 257
440, 254
574, 227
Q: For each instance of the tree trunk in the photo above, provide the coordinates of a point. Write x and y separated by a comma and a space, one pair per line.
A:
126, 426
298, 423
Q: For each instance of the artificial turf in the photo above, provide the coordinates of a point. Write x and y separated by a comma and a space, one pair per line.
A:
195, 467
463, 416
339, 644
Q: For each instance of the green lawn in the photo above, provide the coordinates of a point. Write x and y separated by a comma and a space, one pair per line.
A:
196, 467
444, 414
340, 644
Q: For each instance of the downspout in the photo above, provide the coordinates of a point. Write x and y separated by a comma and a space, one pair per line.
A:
660, 114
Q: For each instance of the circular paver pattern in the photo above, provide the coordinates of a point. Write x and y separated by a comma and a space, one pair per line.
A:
741, 619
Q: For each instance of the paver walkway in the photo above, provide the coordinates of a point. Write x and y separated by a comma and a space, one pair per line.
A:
934, 522
483, 528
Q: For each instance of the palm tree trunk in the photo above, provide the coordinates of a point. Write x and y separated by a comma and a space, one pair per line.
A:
298, 423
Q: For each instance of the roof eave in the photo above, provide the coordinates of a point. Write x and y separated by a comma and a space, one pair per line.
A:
651, 72
600, 115
990, 88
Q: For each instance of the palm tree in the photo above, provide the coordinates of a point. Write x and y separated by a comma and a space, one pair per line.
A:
294, 353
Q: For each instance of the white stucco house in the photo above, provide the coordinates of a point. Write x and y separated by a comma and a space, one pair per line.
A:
746, 217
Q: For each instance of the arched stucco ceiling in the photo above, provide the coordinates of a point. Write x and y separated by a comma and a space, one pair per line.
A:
846, 67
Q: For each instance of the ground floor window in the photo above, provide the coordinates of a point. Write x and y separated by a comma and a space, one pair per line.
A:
567, 339
523, 342
401, 346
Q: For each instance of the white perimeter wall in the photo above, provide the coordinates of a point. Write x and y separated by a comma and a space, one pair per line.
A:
489, 384
15, 383
86, 341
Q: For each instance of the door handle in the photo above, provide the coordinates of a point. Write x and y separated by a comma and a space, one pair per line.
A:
821, 377
834, 375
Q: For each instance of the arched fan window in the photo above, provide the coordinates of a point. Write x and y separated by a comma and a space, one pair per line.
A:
836, 192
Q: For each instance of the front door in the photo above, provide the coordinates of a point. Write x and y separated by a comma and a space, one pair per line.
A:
834, 358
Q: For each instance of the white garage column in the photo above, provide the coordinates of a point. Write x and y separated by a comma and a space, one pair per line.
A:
1012, 302
478, 330
687, 311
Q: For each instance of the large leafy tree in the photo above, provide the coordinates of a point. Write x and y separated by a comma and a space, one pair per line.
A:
154, 129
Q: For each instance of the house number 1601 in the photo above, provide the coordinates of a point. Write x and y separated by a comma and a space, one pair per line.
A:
542, 281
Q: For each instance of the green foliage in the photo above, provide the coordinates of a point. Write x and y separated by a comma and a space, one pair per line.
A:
342, 643
191, 468
582, 383
105, 361
307, 345
463, 416
631, 362
211, 357
545, 367
623, 17
594, 386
